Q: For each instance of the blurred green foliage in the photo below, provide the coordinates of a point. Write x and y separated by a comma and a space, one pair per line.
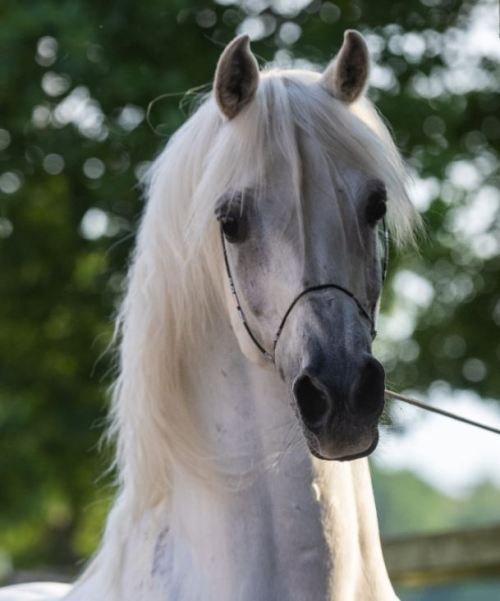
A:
76, 78
406, 504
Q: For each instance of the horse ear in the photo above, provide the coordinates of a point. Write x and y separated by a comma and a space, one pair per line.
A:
346, 76
236, 77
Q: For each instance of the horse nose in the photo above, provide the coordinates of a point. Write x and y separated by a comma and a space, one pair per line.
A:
364, 398
313, 401
367, 394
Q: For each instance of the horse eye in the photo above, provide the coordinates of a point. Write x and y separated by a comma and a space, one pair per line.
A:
376, 206
231, 215
233, 225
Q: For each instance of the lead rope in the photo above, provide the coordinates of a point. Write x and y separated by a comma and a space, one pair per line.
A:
388, 393
410, 401
421, 405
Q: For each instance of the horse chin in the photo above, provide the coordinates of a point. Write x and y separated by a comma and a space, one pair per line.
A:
342, 454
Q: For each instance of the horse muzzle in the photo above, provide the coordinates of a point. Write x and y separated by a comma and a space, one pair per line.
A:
339, 404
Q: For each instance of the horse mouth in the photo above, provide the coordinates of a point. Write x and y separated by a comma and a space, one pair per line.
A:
337, 453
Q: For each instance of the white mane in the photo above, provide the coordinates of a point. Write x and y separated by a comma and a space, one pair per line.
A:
175, 279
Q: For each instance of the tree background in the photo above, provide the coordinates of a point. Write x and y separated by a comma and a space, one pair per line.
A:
76, 80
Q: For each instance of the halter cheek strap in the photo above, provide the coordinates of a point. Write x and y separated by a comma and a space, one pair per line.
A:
238, 304
270, 356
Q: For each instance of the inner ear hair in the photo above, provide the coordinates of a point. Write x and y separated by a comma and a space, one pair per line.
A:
346, 76
236, 77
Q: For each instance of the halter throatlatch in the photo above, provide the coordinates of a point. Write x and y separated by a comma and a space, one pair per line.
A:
270, 356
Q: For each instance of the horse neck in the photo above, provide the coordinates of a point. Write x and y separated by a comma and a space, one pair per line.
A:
269, 523
272, 523
254, 527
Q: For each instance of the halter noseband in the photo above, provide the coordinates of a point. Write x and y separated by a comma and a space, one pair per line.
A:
271, 356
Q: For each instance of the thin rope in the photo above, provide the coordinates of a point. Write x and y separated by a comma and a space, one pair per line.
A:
421, 405
237, 300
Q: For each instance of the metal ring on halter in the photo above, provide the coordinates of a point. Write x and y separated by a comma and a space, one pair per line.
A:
364, 312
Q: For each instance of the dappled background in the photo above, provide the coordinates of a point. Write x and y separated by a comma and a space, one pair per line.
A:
76, 80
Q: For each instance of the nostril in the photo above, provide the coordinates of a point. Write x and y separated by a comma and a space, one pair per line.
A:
368, 393
312, 402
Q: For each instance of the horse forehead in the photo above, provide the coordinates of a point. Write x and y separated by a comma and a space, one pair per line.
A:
316, 195
322, 168
321, 175
324, 239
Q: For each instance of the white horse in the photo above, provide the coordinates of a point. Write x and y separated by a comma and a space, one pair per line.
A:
245, 360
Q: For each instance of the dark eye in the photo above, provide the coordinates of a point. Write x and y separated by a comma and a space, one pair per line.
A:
376, 206
231, 214
232, 221
232, 227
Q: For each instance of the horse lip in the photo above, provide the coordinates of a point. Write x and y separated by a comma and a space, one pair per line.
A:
365, 453
314, 450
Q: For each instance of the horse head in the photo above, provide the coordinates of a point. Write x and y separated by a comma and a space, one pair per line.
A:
301, 243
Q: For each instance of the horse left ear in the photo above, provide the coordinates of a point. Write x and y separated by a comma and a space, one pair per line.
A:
236, 77
346, 76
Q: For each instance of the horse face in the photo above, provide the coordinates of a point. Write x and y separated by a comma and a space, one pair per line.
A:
301, 250
277, 248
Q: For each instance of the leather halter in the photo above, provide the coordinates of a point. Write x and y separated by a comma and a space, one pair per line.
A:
369, 315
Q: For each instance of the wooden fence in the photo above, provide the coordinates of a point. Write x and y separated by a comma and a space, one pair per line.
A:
414, 560
444, 557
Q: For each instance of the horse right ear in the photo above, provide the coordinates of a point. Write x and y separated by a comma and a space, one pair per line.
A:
346, 76
236, 77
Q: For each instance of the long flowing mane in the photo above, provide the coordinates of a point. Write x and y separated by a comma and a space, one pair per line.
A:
174, 282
